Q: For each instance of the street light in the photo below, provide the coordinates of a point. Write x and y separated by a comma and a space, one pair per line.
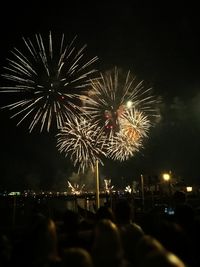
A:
166, 177
189, 188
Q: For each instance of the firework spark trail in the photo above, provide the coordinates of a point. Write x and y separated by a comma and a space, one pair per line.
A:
83, 141
48, 82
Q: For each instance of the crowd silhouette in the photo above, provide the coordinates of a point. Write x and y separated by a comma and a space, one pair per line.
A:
113, 237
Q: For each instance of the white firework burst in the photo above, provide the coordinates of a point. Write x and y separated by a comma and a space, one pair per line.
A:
113, 94
124, 109
76, 189
134, 124
83, 142
122, 148
47, 79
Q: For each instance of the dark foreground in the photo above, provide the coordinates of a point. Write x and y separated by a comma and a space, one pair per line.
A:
168, 222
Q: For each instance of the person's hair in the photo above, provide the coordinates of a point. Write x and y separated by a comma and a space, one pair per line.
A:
76, 256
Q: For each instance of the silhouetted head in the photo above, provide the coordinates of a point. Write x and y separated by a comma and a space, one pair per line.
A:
105, 212
123, 211
78, 257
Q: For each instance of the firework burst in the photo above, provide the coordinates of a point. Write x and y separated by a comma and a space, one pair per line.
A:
134, 124
76, 189
83, 141
122, 148
107, 186
47, 79
113, 94
134, 127
124, 109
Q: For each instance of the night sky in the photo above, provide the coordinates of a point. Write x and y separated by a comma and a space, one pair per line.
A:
159, 44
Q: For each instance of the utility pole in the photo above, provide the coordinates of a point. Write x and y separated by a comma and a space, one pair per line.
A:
97, 185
